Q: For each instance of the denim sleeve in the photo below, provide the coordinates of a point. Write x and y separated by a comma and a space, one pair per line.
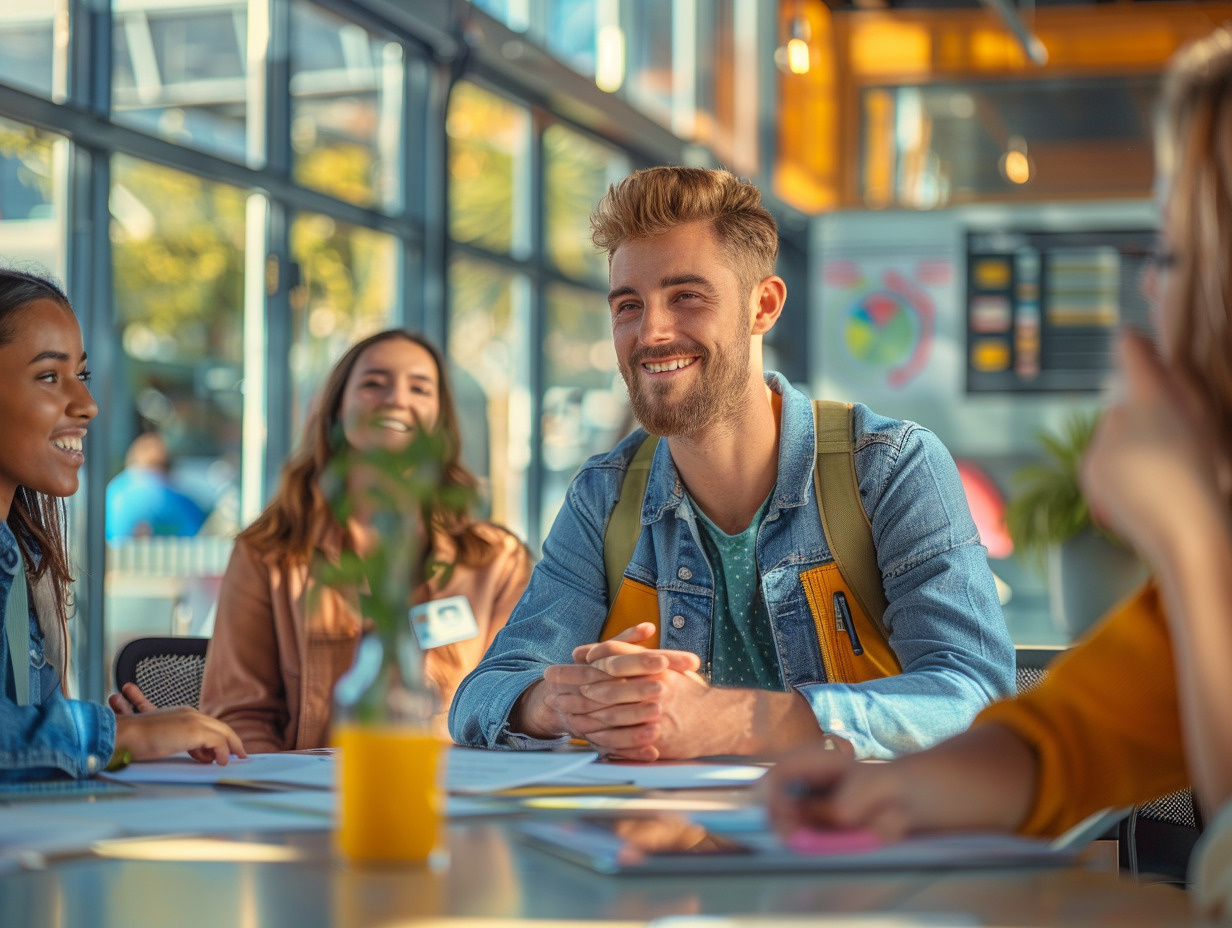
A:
944, 618
60, 736
564, 605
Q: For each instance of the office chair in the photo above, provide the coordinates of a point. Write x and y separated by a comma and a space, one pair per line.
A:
168, 670
1158, 837
1031, 666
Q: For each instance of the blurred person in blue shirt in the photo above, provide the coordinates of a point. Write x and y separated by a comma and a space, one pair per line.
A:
140, 499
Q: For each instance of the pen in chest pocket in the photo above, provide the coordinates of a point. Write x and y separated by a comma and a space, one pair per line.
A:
843, 622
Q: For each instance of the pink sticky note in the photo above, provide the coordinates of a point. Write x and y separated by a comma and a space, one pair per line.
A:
853, 841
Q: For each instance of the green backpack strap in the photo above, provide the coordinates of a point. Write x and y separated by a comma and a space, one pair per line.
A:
624, 526
848, 531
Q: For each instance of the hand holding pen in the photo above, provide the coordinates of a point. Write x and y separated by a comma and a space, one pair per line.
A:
822, 788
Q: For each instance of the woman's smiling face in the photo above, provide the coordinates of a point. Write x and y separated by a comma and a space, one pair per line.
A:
393, 388
46, 404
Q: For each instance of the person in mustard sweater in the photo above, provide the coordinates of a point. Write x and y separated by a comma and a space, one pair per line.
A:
1143, 705
282, 639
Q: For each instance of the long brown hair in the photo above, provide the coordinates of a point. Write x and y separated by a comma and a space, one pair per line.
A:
300, 512
1195, 158
37, 519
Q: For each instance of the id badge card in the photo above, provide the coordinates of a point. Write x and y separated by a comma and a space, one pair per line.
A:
443, 621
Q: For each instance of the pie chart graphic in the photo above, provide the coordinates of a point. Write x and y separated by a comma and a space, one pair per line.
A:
881, 329
891, 327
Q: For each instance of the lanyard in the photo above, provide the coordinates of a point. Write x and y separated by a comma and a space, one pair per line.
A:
17, 629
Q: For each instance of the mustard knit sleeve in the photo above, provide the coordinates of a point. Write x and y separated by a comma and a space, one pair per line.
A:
1105, 723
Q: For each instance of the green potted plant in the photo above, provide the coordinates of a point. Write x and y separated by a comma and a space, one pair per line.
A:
391, 800
1051, 526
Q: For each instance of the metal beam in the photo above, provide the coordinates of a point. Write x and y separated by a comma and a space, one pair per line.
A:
1029, 41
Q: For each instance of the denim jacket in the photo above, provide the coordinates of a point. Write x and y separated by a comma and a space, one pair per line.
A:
53, 735
944, 620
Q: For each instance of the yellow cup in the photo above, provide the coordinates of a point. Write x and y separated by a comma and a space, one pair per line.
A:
392, 803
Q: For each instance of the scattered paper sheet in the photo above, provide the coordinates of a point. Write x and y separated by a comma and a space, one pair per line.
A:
474, 770
668, 775
302, 770
469, 770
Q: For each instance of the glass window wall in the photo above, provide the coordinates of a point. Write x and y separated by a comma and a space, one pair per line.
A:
32, 192
346, 109
585, 408
577, 173
173, 495
212, 272
489, 145
489, 348
347, 289
180, 71
570, 33
33, 45
648, 66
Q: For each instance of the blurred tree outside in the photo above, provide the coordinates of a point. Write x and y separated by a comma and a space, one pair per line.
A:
178, 269
488, 145
578, 172
25, 171
346, 289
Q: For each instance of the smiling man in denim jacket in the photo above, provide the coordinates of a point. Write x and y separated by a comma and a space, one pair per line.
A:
727, 563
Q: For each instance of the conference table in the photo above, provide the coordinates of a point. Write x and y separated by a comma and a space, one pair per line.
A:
494, 878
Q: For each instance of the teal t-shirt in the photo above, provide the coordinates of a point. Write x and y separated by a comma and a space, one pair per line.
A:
742, 651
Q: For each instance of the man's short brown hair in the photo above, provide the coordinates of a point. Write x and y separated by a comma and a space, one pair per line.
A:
657, 200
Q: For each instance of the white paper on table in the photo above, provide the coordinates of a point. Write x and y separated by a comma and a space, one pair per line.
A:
475, 770
469, 770
665, 774
302, 770
609, 803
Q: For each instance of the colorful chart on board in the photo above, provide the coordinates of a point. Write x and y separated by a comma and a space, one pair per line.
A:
881, 322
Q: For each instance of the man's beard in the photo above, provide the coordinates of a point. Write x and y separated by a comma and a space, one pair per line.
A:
716, 395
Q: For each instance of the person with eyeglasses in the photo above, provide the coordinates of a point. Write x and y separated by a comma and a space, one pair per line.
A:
1143, 706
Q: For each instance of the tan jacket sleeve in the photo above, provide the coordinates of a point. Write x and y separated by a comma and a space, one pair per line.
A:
1105, 723
243, 684
492, 589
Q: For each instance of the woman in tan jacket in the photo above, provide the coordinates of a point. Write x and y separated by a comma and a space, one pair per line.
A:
282, 639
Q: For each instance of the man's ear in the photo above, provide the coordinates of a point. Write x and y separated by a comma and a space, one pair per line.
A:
766, 303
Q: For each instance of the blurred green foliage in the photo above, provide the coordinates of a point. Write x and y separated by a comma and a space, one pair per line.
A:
1049, 509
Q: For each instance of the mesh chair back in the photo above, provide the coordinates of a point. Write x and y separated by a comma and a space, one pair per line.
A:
1028, 678
168, 670
1177, 808
1032, 666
